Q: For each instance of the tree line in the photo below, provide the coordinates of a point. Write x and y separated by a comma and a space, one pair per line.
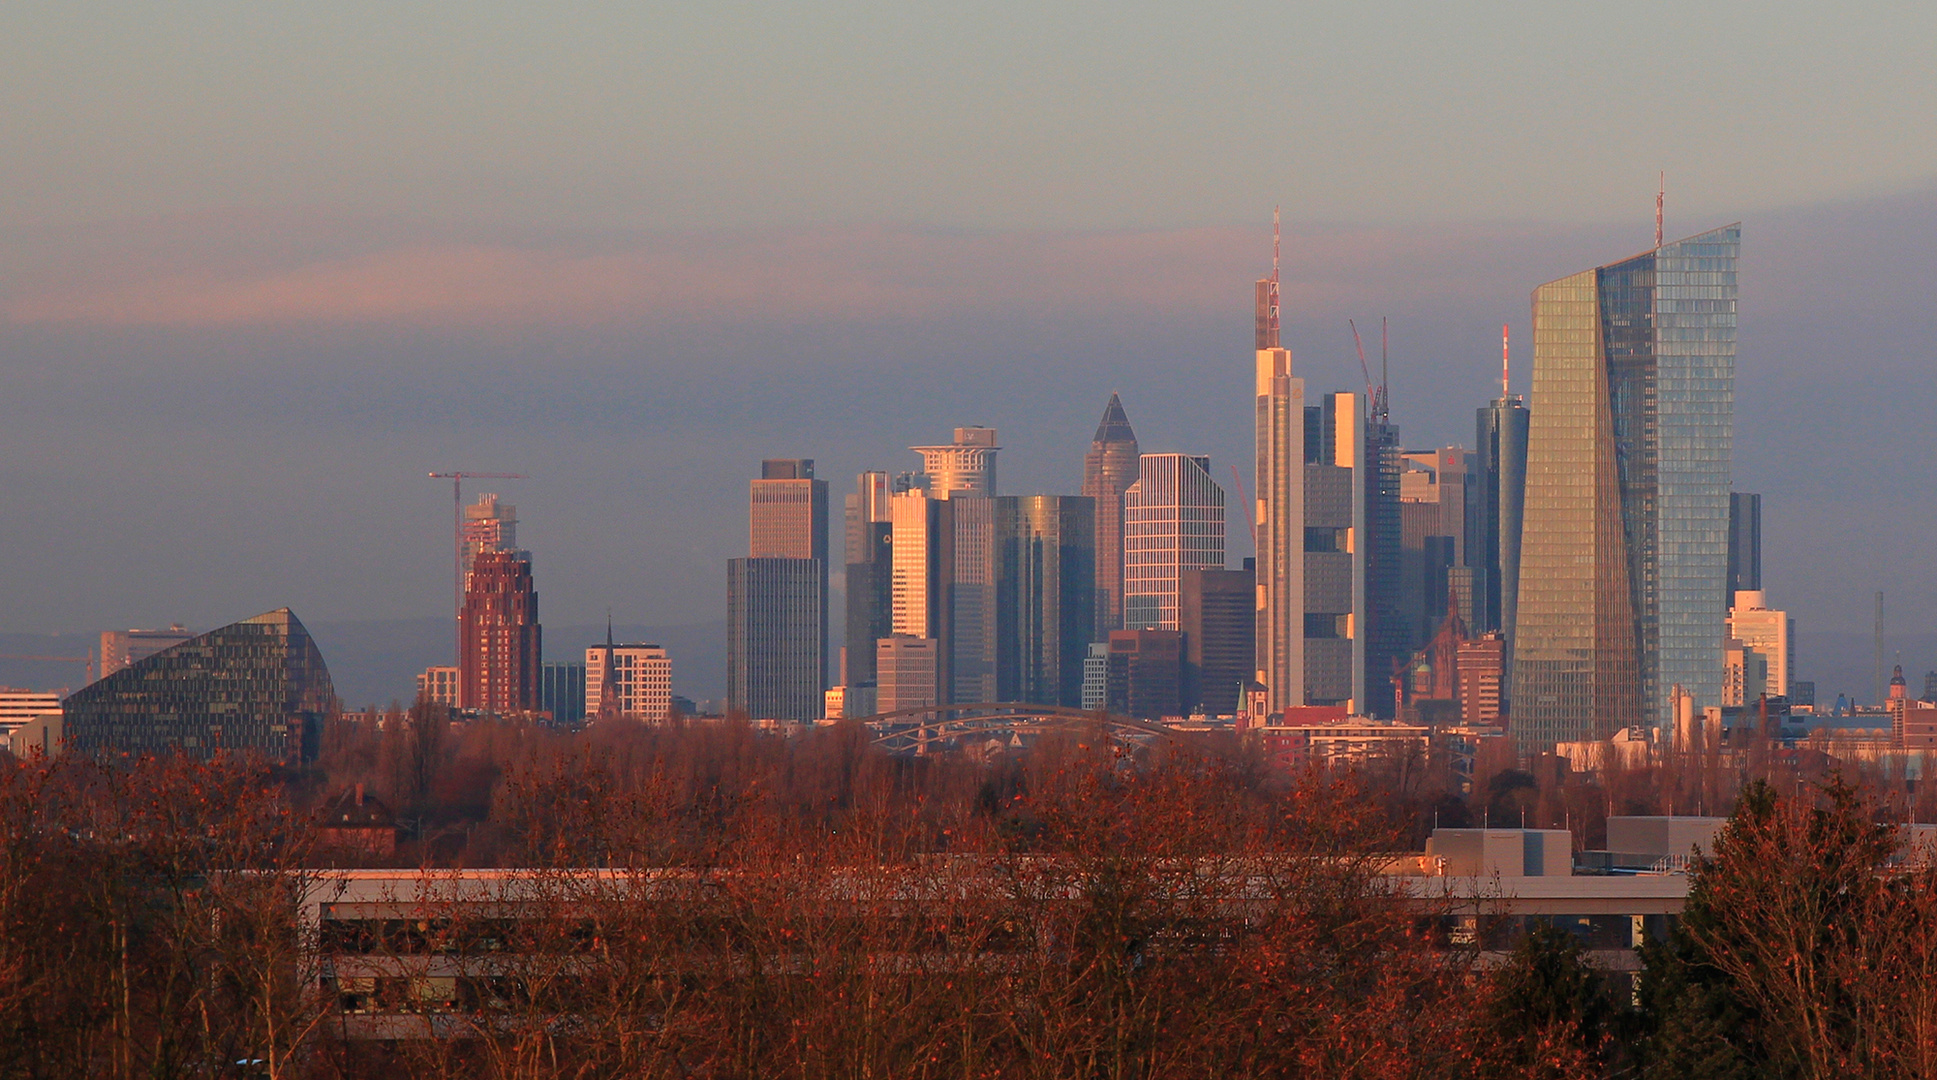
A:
1082, 910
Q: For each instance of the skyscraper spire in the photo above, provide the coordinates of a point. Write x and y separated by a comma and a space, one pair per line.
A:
608, 682
1503, 362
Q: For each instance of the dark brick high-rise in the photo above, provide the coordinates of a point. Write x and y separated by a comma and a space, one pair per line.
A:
498, 664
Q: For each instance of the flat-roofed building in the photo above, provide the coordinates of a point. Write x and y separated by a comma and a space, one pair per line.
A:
119, 648
641, 681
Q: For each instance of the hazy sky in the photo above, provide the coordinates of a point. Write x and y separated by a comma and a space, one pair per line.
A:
262, 267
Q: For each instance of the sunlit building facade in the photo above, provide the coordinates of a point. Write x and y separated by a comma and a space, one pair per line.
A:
1109, 468
1173, 518
1624, 551
1046, 599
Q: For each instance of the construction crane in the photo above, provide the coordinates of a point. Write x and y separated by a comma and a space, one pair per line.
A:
87, 660
457, 552
1371, 401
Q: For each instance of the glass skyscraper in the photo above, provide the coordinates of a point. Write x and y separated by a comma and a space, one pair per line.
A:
1173, 517
1624, 551
258, 686
1046, 596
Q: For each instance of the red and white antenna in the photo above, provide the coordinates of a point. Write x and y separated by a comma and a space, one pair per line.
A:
1503, 361
1661, 195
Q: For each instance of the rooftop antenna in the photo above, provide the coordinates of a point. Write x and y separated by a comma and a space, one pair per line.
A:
1503, 361
1384, 409
1272, 324
1661, 195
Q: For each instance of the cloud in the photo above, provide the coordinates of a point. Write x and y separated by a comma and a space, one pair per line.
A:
859, 274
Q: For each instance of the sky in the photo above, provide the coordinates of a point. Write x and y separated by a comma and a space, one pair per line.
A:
263, 268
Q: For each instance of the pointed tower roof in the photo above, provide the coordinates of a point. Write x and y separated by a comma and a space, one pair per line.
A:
1115, 426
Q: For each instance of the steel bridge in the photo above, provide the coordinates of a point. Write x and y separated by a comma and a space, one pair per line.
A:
923, 728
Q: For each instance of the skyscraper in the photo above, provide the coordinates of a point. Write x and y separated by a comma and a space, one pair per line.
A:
1499, 495
775, 609
1280, 493
1624, 551
1745, 543
1046, 601
963, 467
1173, 517
870, 574
1336, 567
1109, 468
1216, 613
489, 526
787, 519
1389, 632
965, 549
502, 644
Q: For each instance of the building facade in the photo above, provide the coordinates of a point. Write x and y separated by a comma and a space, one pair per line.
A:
501, 642
1046, 599
1109, 468
906, 672
870, 574
776, 610
963, 467
254, 687
1173, 518
1279, 487
787, 519
1146, 674
1499, 498
488, 526
1624, 551
438, 686
1752, 623
641, 681
119, 648
1745, 543
1215, 613
561, 692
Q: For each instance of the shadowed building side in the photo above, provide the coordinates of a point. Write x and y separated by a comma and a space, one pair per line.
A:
256, 686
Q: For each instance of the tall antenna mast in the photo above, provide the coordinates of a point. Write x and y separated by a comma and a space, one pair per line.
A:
1384, 410
1503, 361
1661, 195
1272, 325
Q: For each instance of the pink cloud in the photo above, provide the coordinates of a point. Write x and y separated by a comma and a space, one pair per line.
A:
868, 274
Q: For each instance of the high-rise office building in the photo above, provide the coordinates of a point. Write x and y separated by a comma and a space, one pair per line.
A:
963, 467
641, 681
1493, 528
1109, 468
1046, 600
1335, 576
119, 648
966, 568
870, 574
489, 526
499, 635
906, 672
914, 582
1757, 627
775, 609
257, 686
561, 692
1280, 492
1624, 551
1146, 673
787, 519
1173, 518
1216, 611
1433, 497
1745, 543
1388, 629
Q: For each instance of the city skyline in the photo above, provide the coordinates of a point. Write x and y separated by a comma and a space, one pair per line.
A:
203, 325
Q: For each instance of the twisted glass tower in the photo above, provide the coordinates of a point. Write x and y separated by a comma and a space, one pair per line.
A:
1624, 548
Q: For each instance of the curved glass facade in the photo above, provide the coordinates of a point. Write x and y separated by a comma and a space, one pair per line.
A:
1624, 548
257, 686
